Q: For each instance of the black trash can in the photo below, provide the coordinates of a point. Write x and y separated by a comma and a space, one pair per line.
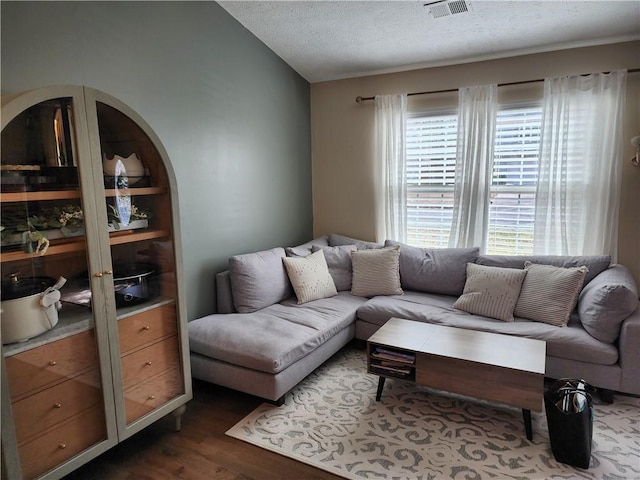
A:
569, 410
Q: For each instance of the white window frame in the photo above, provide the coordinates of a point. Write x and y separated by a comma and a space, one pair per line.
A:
439, 197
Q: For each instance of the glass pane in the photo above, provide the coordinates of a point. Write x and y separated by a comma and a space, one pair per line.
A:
48, 333
141, 237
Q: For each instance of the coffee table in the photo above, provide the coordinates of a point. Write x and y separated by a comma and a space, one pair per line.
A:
488, 366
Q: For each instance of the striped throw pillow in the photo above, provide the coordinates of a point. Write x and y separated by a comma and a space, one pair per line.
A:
549, 294
491, 291
310, 277
376, 272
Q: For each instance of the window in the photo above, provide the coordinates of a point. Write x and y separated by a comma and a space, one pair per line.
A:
431, 153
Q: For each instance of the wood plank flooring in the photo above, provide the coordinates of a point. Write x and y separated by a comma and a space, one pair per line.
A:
200, 451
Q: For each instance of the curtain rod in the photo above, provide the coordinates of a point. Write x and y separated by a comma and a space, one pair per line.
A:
360, 99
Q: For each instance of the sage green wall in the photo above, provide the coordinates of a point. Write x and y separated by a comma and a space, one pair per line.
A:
233, 116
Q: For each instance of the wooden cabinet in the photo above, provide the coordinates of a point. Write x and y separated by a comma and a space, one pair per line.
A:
88, 194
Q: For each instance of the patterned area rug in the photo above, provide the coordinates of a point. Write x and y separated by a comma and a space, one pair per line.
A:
332, 421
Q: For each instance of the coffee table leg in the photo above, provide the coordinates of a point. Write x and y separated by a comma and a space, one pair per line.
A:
526, 415
380, 387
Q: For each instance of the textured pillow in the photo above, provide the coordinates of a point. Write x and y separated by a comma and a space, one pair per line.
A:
337, 240
604, 304
310, 277
491, 291
595, 263
440, 270
549, 293
376, 272
339, 263
306, 248
258, 280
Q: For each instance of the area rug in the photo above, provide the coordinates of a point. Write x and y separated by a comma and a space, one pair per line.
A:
332, 421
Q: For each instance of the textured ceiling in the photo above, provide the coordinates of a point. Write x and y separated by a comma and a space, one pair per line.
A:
329, 40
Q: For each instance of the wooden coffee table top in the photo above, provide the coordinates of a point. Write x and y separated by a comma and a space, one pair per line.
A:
487, 348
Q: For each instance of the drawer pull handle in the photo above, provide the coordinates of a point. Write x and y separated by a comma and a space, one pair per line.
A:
151, 397
148, 362
62, 446
146, 327
108, 272
98, 275
57, 405
52, 363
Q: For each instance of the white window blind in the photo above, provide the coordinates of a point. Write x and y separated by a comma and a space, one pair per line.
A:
431, 159
431, 153
515, 173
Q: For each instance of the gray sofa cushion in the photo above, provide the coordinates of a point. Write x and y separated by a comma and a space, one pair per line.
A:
259, 279
571, 342
595, 263
434, 270
307, 248
339, 263
605, 303
335, 240
275, 337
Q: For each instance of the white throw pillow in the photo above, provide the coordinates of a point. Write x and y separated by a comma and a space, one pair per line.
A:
549, 294
376, 272
310, 277
491, 291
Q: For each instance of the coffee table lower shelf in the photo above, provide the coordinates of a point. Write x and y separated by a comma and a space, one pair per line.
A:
487, 366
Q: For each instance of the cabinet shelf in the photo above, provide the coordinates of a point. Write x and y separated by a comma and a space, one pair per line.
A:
15, 197
79, 244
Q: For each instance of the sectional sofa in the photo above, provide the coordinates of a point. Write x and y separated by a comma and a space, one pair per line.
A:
277, 322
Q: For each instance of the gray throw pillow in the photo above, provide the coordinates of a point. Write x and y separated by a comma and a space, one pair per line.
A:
336, 240
259, 279
434, 270
376, 272
549, 294
306, 248
339, 263
491, 291
606, 302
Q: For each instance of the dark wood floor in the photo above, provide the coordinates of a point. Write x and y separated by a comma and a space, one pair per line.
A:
200, 450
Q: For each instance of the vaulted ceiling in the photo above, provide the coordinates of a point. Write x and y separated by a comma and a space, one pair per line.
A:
329, 40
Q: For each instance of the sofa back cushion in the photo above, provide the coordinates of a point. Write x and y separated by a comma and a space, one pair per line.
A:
604, 304
306, 248
336, 240
595, 263
259, 279
434, 270
339, 263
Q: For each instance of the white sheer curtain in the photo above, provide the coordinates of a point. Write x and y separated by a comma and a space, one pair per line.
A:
577, 198
477, 110
390, 119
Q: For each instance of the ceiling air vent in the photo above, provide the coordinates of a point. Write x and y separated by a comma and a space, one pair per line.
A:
446, 8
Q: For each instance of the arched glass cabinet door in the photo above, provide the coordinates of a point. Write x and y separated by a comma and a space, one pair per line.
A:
150, 359
88, 194
57, 393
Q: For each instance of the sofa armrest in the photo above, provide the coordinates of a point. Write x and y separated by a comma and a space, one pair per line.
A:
223, 292
629, 353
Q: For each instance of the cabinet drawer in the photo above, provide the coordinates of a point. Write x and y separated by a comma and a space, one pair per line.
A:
152, 393
146, 327
152, 360
37, 413
62, 443
50, 364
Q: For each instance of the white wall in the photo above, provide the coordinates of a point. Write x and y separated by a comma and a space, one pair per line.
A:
344, 190
232, 115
